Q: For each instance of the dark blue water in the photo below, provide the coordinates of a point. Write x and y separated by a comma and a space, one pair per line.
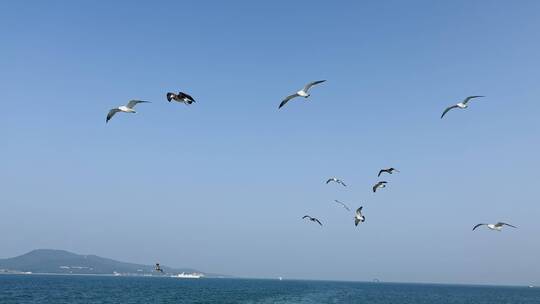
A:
23, 289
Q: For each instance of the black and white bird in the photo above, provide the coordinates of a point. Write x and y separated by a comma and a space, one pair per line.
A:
381, 184
496, 227
158, 268
126, 109
343, 204
180, 97
460, 105
358, 217
336, 180
389, 171
315, 220
302, 93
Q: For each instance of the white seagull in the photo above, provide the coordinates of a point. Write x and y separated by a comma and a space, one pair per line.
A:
496, 227
389, 171
343, 204
461, 105
381, 184
358, 217
336, 180
302, 93
126, 109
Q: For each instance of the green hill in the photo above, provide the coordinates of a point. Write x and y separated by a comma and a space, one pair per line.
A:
64, 262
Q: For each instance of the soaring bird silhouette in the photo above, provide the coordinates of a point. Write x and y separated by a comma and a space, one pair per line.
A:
381, 184
358, 217
180, 97
497, 227
460, 105
343, 204
126, 109
336, 180
389, 171
315, 220
158, 268
302, 93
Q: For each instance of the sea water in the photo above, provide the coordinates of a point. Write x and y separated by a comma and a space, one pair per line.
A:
60, 289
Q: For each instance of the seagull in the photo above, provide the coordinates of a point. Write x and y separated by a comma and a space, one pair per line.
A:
342, 204
389, 171
302, 93
126, 109
180, 97
158, 268
378, 185
312, 219
496, 227
358, 217
461, 105
336, 180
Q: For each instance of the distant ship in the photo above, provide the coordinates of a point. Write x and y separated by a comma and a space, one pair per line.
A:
184, 275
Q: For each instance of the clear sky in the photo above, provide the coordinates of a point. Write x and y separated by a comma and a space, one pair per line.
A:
222, 185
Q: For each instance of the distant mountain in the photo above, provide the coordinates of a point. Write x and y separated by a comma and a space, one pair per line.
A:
65, 262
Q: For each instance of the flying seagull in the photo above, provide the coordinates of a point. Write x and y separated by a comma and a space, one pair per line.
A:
343, 204
126, 109
336, 180
496, 227
378, 185
389, 171
158, 268
302, 93
461, 105
180, 97
358, 217
312, 219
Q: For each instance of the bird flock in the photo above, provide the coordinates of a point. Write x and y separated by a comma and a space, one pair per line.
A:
186, 99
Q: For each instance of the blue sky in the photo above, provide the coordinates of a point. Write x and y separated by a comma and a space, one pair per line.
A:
221, 185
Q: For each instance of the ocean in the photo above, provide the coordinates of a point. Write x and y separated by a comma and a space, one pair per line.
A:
45, 289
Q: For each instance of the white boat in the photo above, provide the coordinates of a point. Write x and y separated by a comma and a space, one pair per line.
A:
184, 275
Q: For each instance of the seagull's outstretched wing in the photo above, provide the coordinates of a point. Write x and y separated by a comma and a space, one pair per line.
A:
287, 100
317, 220
309, 85
359, 211
170, 96
343, 204
184, 95
478, 226
306, 216
356, 221
330, 180
469, 98
381, 171
132, 103
111, 114
500, 224
448, 109
342, 183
